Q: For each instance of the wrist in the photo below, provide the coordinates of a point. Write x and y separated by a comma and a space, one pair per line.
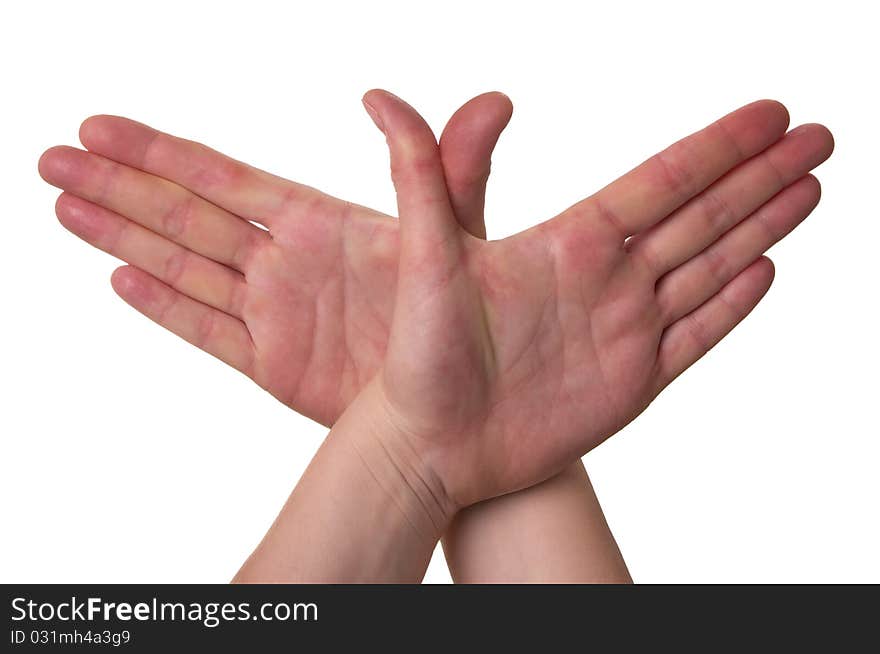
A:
365, 510
401, 469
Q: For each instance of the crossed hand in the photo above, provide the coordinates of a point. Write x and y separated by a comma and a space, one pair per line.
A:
495, 363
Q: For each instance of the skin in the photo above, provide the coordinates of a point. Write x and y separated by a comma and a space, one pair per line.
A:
567, 330
303, 308
353, 516
175, 210
781, 215
509, 359
553, 532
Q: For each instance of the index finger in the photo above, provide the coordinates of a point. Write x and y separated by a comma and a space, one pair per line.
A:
655, 188
246, 191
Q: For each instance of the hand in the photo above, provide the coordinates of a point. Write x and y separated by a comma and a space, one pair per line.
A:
508, 359
303, 308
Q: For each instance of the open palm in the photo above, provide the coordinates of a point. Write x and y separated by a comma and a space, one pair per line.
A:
508, 359
310, 298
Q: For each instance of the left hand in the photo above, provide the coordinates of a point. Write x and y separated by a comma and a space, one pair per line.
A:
509, 359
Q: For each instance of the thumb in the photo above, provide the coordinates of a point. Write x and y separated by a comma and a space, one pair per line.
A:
466, 147
427, 221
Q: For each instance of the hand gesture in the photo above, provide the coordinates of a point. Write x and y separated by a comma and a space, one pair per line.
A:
301, 307
508, 359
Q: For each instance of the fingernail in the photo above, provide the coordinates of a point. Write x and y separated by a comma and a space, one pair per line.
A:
374, 115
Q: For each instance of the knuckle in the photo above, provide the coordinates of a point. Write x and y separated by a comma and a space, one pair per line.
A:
699, 334
246, 251
727, 137
237, 298
673, 170
290, 200
716, 211
765, 222
717, 266
175, 264
205, 328
774, 171
176, 220
166, 306
414, 167
215, 171
107, 180
643, 253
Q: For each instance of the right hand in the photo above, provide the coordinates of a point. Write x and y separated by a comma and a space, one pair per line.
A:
303, 308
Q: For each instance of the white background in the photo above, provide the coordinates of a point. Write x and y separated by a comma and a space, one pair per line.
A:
128, 455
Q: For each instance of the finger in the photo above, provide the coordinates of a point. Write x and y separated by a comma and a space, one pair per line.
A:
466, 147
241, 189
155, 203
688, 339
427, 222
700, 222
213, 331
688, 286
185, 271
654, 189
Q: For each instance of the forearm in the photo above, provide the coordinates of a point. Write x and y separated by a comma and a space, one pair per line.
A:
358, 514
552, 532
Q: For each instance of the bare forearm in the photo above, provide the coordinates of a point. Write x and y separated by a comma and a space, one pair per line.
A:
355, 515
552, 532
